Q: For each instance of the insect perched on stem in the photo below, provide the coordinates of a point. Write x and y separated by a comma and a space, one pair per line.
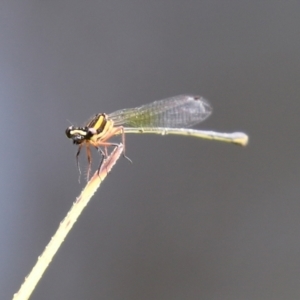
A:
168, 116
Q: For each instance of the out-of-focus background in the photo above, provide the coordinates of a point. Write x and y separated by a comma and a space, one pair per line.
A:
189, 219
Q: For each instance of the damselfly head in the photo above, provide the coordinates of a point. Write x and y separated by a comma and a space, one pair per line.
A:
78, 134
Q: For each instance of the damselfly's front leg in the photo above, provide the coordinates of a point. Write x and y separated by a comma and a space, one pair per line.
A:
77, 162
89, 158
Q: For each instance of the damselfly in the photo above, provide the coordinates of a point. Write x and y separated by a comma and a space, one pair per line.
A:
168, 116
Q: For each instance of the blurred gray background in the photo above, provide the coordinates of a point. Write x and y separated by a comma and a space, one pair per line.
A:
189, 219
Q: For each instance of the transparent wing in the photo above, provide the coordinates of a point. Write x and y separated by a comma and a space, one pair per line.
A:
178, 111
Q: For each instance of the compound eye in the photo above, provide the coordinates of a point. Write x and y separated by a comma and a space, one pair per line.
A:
68, 132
